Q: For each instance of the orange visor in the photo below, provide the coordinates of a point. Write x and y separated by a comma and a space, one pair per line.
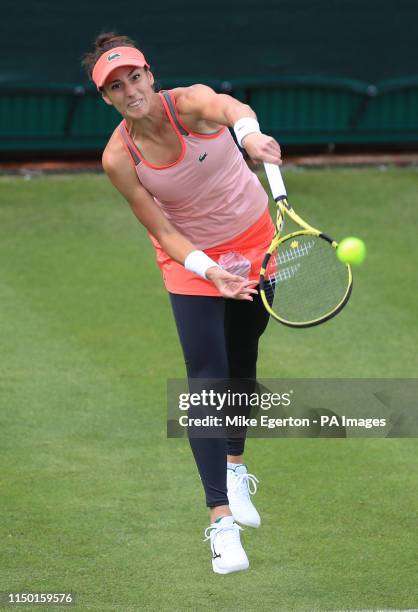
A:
115, 58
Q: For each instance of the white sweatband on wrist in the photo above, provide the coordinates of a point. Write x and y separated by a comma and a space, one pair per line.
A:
198, 262
245, 126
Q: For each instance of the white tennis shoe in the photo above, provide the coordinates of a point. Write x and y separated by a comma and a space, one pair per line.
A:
241, 485
228, 554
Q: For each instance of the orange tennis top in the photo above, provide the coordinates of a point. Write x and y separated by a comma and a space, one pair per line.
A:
210, 196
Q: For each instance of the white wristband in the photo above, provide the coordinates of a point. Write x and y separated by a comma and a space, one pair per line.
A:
198, 262
245, 126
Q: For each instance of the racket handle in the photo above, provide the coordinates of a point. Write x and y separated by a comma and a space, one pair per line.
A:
274, 177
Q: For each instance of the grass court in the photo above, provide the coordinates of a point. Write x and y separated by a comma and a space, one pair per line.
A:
95, 499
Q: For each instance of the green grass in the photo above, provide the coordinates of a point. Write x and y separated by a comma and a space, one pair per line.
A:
96, 500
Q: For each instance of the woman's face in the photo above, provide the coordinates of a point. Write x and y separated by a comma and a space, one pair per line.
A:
130, 91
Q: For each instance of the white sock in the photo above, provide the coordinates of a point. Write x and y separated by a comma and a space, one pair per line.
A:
232, 466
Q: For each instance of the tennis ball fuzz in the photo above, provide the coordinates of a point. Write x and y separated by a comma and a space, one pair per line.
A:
351, 251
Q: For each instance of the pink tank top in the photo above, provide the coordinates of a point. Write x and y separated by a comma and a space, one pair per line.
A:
209, 194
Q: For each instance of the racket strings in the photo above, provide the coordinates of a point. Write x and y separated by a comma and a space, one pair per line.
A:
304, 279
292, 253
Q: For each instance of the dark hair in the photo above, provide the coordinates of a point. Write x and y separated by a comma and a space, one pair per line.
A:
104, 42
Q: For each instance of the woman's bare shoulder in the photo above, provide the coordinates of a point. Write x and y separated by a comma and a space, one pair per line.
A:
183, 94
191, 103
114, 153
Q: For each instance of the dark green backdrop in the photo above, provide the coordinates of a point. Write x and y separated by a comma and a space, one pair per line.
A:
369, 40
316, 72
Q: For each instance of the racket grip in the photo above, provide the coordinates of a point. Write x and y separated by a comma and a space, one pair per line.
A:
274, 177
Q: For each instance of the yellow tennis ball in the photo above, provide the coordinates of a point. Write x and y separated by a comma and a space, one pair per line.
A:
351, 251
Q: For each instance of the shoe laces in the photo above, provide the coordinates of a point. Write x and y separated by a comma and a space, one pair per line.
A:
246, 482
227, 533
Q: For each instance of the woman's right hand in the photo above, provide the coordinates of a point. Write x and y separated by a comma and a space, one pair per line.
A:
232, 286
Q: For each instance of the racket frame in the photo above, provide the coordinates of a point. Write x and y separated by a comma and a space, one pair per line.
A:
284, 208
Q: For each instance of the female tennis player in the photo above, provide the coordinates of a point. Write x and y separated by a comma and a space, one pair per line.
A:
174, 160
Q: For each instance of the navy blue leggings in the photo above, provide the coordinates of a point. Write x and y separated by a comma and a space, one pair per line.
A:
220, 340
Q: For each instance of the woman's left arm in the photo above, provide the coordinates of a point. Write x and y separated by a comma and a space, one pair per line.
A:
201, 102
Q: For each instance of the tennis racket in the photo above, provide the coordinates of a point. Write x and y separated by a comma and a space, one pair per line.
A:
302, 281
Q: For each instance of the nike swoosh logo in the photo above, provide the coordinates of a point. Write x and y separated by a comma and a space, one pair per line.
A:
215, 554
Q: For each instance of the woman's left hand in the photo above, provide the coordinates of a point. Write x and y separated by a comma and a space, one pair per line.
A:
262, 148
232, 286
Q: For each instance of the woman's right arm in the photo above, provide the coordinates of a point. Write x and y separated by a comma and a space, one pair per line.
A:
124, 178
